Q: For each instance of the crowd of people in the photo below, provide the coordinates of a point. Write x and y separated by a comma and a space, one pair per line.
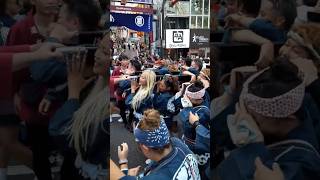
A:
156, 98
266, 117
55, 58
54, 87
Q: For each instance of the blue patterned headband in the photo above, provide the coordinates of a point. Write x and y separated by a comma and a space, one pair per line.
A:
157, 138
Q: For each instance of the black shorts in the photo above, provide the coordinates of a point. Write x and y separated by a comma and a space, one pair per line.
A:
9, 120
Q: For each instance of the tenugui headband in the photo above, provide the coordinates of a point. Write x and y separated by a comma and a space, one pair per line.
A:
157, 138
277, 107
195, 95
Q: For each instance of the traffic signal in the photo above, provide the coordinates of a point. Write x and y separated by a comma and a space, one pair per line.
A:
173, 2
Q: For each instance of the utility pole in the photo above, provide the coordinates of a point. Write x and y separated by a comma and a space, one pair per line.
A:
163, 28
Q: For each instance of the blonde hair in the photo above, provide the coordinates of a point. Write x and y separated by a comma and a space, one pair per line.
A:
310, 32
93, 111
89, 117
206, 71
144, 91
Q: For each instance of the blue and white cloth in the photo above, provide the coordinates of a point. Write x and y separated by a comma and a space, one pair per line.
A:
157, 138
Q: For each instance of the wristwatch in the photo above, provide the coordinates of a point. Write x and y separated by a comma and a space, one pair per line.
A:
196, 124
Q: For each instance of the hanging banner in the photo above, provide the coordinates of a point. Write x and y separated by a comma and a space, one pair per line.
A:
199, 38
137, 22
131, 9
177, 38
136, 1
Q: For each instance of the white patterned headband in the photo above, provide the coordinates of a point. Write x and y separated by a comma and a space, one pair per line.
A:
277, 107
156, 138
297, 38
195, 95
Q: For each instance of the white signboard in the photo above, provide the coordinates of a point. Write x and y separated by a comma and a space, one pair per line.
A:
177, 38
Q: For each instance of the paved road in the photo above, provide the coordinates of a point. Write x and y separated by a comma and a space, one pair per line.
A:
118, 135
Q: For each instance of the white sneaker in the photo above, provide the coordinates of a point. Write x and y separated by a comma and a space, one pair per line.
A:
120, 120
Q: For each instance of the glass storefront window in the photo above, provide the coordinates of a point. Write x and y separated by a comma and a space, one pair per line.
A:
200, 13
205, 22
197, 7
199, 22
193, 22
206, 7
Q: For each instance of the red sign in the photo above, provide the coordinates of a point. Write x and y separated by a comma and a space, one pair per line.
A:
131, 9
151, 37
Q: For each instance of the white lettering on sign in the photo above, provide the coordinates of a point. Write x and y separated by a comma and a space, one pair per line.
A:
200, 39
139, 21
177, 46
111, 18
